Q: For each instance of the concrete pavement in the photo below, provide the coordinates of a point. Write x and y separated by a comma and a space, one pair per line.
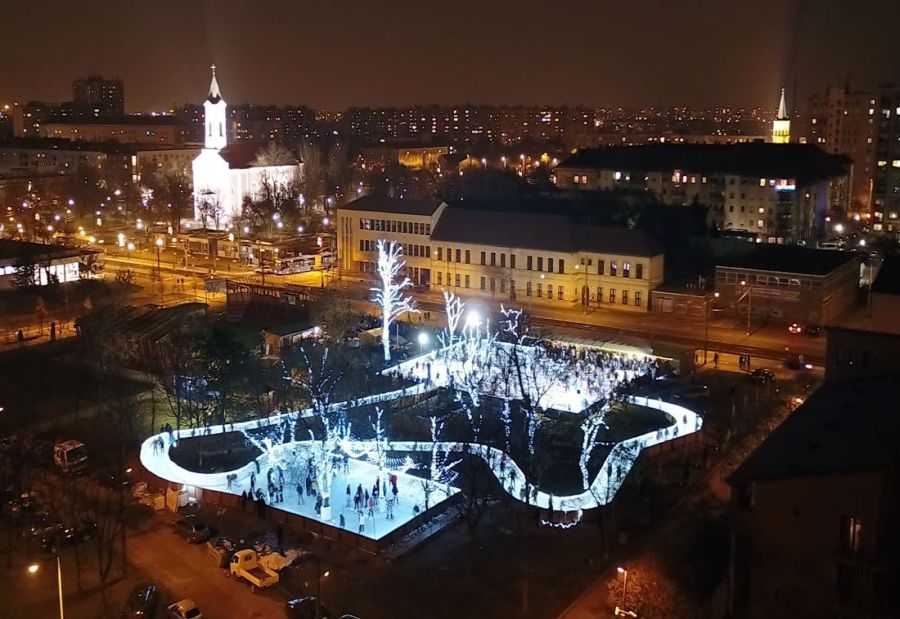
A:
186, 571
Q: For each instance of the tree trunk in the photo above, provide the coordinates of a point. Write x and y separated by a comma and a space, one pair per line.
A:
386, 337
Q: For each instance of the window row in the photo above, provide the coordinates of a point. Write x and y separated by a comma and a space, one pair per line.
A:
625, 299
465, 257
393, 225
613, 270
415, 251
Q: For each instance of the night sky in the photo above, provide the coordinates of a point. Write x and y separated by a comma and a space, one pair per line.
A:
332, 54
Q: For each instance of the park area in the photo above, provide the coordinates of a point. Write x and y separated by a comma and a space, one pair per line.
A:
556, 427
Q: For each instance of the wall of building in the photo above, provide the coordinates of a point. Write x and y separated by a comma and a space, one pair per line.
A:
358, 236
123, 133
886, 182
775, 208
853, 354
502, 273
792, 551
788, 297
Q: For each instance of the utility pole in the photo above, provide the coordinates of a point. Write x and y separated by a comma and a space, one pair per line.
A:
749, 294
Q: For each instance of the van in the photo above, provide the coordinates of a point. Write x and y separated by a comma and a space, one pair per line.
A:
70, 456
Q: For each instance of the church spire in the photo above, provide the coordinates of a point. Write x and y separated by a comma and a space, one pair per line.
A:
215, 95
214, 111
781, 126
782, 106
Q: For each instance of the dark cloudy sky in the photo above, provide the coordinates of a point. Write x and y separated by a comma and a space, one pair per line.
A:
332, 53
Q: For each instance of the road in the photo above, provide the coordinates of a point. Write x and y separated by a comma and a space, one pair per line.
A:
186, 571
727, 334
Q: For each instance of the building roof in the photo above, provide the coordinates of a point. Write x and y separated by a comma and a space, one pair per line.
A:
787, 259
30, 253
841, 428
402, 206
803, 162
242, 155
888, 279
128, 119
148, 323
108, 147
291, 328
546, 231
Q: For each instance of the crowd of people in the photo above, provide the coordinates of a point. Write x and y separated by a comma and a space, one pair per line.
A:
569, 378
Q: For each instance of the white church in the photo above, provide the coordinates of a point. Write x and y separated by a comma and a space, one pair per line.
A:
224, 173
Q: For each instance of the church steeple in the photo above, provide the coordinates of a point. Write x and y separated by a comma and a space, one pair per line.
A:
781, 126
214, 110
782, 106
215, 95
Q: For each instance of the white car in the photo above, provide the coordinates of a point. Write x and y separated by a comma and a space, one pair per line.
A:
185, 609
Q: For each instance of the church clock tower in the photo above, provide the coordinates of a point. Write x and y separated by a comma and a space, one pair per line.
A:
214, 109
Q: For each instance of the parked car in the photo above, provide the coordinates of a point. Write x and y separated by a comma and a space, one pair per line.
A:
42, 525
68, 536
305, 608
142, 601
192, 529
813, 331
113, 478
185, 609
762, 376
26, 505
692, 393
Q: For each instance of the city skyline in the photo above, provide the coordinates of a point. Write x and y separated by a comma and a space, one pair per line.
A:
333, 58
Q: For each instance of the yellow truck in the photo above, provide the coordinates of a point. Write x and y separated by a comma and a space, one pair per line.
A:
246, 564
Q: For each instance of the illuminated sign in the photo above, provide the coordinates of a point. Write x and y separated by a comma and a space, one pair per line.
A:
785, 184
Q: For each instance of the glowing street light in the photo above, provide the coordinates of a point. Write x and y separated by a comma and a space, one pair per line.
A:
473, 320
34, 568
423, 341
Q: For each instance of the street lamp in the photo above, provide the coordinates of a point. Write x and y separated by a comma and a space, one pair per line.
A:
624, 574
34, 568
159, 244
423, 341
319, 576
473, 319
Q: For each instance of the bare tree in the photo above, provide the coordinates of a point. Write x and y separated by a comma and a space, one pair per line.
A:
389, 296
273, 154
173, 193
317, 376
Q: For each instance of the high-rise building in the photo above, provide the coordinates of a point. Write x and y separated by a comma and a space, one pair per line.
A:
99, 97
842, 122
781, 126
886, 182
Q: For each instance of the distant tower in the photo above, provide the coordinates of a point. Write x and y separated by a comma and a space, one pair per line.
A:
781, 126
214, 111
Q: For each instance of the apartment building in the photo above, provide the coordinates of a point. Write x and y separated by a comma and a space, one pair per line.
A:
779, 192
